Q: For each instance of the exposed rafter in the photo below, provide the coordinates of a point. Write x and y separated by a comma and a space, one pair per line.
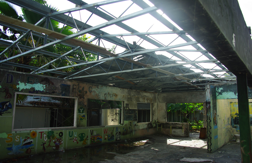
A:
141, 69
136, 67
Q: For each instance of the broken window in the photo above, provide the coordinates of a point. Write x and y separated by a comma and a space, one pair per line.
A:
33, 111
143, 112
104, 112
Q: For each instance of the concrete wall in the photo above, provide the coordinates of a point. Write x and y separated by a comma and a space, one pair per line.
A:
49, 139
228, 17
46, 140
220, 122
175, 129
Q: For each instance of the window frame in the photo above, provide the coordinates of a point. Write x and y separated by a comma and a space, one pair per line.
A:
44, 128
100, 114
150, 113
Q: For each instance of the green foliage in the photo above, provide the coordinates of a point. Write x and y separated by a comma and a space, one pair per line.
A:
100, 102
8, 10
37, 59
196, 125
184, 108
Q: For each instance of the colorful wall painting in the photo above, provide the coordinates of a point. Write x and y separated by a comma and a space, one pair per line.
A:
109, 134
95, 137
4, 107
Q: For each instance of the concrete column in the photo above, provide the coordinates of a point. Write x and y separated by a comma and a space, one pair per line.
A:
244, 122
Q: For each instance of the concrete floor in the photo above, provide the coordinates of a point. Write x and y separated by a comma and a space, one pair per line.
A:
153, 149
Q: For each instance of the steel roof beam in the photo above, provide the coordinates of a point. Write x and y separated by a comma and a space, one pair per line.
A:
124, 26
16, 41
44, 10
29, 67
85, 7
143, 5
142, 12
34, 6
166, 76
141, 69
63, 55
122, 56
144, 33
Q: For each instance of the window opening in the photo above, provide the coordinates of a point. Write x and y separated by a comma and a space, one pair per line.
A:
43, 111
143, 112
104, 112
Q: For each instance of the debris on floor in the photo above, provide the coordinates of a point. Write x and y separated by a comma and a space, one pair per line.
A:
196, 160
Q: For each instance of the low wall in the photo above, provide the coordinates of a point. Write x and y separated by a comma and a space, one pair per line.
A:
175, 129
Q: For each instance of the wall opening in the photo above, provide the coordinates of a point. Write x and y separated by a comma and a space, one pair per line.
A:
34, 111
143, 112
104, 112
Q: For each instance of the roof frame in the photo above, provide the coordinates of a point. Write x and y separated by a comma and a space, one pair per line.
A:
135, 50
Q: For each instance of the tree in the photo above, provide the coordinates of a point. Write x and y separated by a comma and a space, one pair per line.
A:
184, 108
35, 59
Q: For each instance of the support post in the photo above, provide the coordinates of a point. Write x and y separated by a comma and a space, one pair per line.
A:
244, 122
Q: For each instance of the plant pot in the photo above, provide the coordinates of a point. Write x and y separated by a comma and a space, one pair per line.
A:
202, 134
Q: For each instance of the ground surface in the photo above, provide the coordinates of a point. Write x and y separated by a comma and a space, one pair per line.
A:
153, 149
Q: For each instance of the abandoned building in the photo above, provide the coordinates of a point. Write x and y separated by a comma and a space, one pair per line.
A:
102, 72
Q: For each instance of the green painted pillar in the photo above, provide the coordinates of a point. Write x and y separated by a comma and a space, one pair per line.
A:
244, 122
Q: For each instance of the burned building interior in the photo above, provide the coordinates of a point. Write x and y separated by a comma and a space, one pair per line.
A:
96, 81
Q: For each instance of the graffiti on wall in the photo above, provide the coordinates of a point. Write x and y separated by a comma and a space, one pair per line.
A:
4, 107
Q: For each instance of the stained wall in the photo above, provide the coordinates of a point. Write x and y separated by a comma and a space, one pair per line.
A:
221, 114
48, 140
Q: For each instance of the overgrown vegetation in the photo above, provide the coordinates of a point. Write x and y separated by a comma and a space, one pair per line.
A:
184, 108
196, 125
36, 59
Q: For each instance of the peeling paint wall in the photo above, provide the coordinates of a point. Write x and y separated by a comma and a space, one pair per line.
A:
221, 115
47, 140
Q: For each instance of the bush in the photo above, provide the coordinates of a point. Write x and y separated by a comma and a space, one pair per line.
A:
196, 125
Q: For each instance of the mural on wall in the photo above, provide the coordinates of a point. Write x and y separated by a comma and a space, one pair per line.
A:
82, 117
24, 146
81, 109
109, 134
95, 137
85, 140
81, 136
4, 107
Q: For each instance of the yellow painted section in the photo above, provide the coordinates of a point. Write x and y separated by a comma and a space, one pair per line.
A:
234, 109
226, 109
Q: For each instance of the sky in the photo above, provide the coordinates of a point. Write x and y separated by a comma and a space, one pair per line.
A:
141, 24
